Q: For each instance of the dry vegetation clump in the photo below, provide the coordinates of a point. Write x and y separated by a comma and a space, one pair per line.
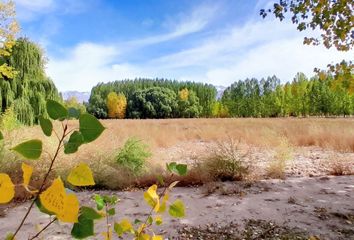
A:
283, 154
339, 166
226, 161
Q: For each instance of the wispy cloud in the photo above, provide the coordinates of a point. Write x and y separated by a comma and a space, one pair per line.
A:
185, 24
257, 48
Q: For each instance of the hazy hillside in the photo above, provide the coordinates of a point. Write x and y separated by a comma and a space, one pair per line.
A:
81, 96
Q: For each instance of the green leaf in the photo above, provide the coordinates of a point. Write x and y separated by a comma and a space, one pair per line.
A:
9, 236
46, 125
181, 169
171, 167
90, 127
1, 136
111, 212
118, 229
177, 209
90, 213
137, 221
75, 141
150, 220
83, 228
73, 113
31, 149
56, 110
99, 202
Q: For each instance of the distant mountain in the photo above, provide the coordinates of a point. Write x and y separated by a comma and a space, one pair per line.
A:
81, 96
220, 90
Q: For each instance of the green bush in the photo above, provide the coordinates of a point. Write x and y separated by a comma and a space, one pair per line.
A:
8, 120
133, 155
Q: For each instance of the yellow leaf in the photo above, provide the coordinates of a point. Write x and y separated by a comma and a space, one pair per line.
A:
158, 220
152, 198
55, 199
27, 173
157, 237
126, 225
144, 236
7, 188
163, 204
107, 236
141, 228
71, 209
81, 176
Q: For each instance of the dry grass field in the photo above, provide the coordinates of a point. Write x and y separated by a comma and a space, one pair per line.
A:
278, 147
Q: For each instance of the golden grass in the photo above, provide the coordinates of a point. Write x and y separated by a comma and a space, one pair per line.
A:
334, 134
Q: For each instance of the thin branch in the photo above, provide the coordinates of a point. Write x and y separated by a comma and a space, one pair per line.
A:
43, 229
43, 183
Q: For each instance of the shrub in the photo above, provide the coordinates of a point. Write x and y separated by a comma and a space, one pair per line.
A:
133, 155
8, 120
225, 162
276, 168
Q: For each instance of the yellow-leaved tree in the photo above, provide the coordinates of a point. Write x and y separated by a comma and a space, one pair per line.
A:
8, 30
117, 105
183, 94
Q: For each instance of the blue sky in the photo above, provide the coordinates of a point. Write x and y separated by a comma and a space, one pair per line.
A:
218, 42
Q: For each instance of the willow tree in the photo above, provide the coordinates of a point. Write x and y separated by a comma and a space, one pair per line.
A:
28, 90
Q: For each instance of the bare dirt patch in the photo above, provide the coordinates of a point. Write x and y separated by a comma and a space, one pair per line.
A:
321, 207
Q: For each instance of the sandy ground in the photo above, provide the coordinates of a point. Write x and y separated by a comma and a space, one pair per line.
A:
321, 206
303, 161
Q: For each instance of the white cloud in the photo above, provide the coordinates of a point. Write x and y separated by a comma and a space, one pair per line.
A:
87, 65
258, 48
186, 24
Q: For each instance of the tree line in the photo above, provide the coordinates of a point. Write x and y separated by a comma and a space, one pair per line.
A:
322, 95
151, 98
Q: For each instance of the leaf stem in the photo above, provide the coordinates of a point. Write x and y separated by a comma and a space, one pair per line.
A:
43, 229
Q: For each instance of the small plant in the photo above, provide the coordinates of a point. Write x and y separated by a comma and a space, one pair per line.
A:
226, 162
133, 155
8, 120
276, 168
63, 204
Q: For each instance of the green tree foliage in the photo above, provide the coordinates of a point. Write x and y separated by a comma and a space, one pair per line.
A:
97, 103
8, 30
28, 90
154, 102
334, 19
220, 110
72, 102
188, 104
322, 95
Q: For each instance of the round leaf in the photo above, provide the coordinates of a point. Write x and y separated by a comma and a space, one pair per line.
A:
90, 213
90, 127
83, 228
46, 125
65, 206
81, 176
177, 209
75, 141
31, 149
56, 110
7, 188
